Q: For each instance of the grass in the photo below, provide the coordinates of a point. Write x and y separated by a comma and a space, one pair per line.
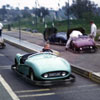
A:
60, 25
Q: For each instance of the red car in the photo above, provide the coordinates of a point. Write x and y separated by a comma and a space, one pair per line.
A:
83, 44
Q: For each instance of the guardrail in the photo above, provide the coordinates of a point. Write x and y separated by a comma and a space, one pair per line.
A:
94, 76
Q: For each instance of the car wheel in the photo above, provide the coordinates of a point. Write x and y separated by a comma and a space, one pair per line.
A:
32, 75
93, 50
60, 41
73, 78
2, 46
74, 49
14, 66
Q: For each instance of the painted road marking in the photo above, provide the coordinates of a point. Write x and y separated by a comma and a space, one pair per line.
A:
37, 90
77, 87
78, 91
37, 95
85, 86
5, 67
53, 93
1, 54
8, 89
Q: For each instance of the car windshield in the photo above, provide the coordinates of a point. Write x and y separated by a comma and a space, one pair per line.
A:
42, 54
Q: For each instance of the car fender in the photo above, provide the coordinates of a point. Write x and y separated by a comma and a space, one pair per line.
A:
34, 68
18, 57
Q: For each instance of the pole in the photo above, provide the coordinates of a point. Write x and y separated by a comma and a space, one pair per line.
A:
19, 23
36, 13
68, 16
19, 29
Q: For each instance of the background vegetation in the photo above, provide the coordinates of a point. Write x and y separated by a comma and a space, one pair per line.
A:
78, 14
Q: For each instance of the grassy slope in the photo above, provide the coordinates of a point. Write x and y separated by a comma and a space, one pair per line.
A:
60, 25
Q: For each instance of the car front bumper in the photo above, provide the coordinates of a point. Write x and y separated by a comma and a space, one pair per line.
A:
69, 79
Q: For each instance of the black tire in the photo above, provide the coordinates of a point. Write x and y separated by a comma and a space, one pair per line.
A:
31, 75
16, 64
2, 46
94, 50
60, 41
73, 78
74, 49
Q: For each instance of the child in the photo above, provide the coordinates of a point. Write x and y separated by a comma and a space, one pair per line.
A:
47, 48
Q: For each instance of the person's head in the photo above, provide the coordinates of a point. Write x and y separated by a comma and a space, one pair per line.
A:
91, 22
46, 46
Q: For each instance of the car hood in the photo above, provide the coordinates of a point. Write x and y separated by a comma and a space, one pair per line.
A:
48, 64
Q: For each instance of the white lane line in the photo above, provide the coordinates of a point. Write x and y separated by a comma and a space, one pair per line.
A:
36, 95
8, 88
85, 86
37, 90
5, 67
1, 54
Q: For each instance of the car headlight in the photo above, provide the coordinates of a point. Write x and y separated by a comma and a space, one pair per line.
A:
91, 47
80, 48
45, 75
63, 73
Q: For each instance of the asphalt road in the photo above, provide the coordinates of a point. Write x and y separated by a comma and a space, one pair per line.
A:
82, 89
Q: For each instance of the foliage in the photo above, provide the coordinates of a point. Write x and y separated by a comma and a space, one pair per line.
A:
3, 12
41, 12
82, 12
81, 9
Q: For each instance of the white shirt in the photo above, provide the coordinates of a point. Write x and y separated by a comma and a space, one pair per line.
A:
1, 26
93, 29
75, 34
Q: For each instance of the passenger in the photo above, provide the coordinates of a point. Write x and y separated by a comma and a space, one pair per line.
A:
46, 48
74, 34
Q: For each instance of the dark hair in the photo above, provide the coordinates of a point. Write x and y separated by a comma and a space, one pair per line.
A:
91, 21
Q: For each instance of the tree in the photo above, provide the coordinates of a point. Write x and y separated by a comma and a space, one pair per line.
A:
26, 12
41, 12
66, 8
81, 8
3, 12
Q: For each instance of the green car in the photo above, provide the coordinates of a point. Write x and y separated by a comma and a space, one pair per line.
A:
43, 68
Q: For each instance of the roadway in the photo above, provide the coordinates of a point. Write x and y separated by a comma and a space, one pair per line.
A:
83, 88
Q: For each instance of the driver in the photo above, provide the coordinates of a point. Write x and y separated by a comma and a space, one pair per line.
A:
46, 48
74, 34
